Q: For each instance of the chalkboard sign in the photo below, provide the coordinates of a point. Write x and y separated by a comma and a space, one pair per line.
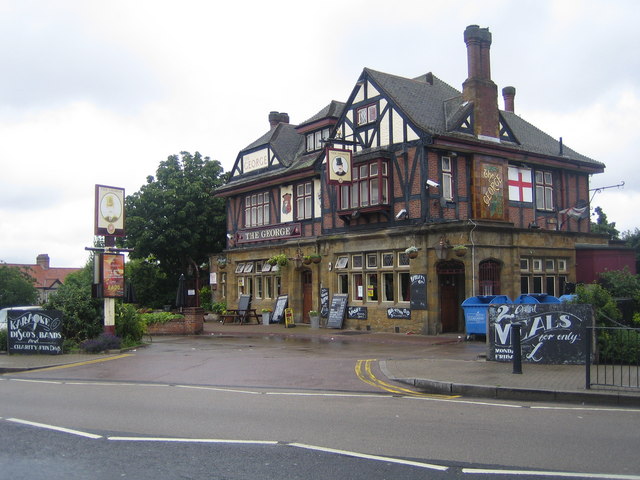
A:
418, 292
337, 310
550, 333
278, 310
359, 313
34, 331
324, 302
398, 313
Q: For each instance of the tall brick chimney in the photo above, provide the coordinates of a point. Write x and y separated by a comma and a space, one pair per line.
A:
277, 117
478, 87
43, 261
509, 94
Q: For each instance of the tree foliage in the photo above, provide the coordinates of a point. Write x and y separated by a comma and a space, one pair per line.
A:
151, 285
83, 317
632, 239
175, 217
16, 287
603, 226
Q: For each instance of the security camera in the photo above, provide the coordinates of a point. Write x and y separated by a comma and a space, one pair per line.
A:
401, 213
229, 236
431, 183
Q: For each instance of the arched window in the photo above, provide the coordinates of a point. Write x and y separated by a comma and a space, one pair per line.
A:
489, 277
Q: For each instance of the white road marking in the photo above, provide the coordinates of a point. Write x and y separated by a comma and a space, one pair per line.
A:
348, 453
53, 427
483, 471
190, 440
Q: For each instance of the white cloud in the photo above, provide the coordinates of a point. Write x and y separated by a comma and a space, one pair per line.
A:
101, 92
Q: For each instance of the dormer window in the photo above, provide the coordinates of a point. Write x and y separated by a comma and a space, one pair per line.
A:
314, 139
367, 114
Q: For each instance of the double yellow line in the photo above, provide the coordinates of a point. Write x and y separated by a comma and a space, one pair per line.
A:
364, 373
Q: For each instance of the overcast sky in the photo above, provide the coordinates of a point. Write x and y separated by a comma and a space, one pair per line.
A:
96, 92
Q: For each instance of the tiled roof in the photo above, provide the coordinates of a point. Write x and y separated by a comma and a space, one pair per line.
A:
436, 107
44, 277
433, 106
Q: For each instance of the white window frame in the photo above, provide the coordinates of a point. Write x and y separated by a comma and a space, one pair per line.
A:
447, 178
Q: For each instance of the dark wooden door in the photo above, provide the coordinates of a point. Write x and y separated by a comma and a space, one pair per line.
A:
451, 285
307, 295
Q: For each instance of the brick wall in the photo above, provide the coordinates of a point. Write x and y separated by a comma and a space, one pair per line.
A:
191, 324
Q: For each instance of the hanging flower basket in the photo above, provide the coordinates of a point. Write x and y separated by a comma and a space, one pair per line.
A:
306, 260
412, 252
315, 258
460, 250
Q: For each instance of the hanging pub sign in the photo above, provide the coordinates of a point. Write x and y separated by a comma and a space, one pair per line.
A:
109, 211
38, 331
338, 165
112, 274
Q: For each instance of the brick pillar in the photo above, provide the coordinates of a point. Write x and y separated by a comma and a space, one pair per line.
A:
193, 320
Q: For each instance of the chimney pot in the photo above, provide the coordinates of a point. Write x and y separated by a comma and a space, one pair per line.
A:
509, 94
277, 117
478, 88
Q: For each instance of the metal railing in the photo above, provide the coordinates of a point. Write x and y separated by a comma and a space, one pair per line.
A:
613, 357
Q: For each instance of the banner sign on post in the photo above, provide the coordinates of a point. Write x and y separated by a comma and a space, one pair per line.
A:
109, 211
552, 333
37, 331
112, 266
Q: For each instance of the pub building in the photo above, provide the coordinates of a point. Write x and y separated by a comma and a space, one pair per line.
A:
492, 204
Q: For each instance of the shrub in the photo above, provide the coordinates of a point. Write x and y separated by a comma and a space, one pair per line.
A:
103, 342
206, 302
160, 317
621, 346
602, 301
219, 307
129, 325
3, 340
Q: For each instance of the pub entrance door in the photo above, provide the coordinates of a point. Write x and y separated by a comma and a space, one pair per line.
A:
307, 295
451, 285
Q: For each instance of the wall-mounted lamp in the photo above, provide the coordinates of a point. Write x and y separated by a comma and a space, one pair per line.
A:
402, 214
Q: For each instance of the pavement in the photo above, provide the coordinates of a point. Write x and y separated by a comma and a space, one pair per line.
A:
451, 366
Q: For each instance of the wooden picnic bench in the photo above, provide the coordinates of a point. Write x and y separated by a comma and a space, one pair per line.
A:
242, 314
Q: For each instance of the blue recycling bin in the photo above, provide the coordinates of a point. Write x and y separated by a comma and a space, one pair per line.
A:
536, 298
475, 312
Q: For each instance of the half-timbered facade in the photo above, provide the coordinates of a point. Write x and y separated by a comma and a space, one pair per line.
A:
492, 204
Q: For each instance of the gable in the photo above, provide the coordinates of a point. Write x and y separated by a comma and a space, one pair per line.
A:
371, 119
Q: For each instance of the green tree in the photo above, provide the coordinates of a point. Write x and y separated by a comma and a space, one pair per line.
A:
603, 226
151, 286
16, 287
175, 217
82, 314
632, 239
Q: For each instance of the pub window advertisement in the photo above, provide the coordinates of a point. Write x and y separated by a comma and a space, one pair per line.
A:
112, 266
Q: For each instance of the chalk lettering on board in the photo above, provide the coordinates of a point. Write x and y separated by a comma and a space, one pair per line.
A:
359, 313
398, 313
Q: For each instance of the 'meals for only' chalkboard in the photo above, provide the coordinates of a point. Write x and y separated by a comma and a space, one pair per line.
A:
337, 310
552, 333
35, 332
